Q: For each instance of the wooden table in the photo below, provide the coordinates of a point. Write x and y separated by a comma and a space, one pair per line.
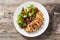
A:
8, 31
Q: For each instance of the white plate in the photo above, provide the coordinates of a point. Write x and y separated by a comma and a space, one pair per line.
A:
45, 22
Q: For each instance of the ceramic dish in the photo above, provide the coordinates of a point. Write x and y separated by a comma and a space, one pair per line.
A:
43, 26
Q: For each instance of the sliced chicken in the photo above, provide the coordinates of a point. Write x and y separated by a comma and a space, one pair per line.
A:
35, 24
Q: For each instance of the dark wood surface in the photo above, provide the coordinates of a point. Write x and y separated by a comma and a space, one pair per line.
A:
8, 31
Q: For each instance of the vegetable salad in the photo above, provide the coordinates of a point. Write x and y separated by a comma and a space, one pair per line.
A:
27, 15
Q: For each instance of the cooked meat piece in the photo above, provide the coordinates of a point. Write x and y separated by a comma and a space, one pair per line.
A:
35, 24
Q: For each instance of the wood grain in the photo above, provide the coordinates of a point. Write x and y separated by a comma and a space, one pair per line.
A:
8, 31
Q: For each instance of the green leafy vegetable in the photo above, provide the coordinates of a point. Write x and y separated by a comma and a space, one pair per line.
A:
23, 24
33, 11
24, 14
23, 9
26, 11
19, 18
31, 6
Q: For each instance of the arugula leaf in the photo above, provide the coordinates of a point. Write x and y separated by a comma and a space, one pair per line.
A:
26, 11
19, 18
33, 11
24, 24
24, 16
31, 6
23, 9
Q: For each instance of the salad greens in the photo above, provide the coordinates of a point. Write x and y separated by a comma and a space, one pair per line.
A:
24, 17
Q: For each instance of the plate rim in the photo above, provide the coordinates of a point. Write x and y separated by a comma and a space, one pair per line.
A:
47, 24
